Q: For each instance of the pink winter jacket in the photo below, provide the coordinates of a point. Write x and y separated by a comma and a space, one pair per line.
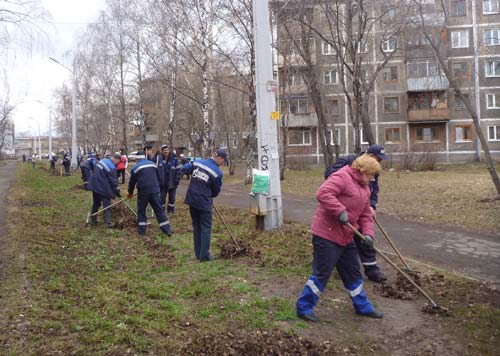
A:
343, 190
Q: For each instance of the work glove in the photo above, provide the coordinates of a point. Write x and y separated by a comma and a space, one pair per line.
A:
129, 195
367, 241
344, 218
118, 195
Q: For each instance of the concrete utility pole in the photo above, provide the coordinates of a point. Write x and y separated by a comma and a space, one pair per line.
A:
50, 133
270, 214
50, 127
73, 114
39, 143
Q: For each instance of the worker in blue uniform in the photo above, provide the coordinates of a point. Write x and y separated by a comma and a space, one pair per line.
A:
145, 176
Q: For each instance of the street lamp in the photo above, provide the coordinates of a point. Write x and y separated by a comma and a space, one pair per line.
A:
50, 127
39, 141
73, 115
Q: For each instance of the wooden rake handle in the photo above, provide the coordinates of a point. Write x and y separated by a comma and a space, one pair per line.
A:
389, 240
388, 260
106, 208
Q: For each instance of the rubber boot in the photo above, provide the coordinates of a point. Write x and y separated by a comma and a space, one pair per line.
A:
375, 275
107, 219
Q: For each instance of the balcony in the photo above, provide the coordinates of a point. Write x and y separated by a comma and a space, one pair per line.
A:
428, 115
295, 60
431, 83
303, 120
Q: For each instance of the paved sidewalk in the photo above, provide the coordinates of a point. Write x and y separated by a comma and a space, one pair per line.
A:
472, 254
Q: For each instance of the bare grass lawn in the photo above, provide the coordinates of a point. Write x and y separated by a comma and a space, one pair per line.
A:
450, 195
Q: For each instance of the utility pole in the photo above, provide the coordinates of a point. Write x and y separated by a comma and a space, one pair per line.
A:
269, 207
50, 127
50, 133
73, 113
39, 143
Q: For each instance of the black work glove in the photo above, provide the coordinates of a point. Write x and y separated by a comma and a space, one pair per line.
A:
344, 218
367, 241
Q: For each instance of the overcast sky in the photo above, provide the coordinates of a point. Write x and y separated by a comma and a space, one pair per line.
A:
32, 75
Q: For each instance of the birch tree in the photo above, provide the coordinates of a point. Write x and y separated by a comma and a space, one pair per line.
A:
425, 22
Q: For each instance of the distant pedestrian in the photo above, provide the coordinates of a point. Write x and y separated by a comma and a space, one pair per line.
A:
343, 198
24, 157
206, 184
67, 164
104, 186
122, 166
78, 160
53, 161
33, 161
145, 176
170, 175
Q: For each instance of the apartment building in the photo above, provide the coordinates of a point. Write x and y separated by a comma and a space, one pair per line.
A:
413, 108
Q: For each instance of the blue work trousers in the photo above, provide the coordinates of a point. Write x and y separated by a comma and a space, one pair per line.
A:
202, 229
142, 220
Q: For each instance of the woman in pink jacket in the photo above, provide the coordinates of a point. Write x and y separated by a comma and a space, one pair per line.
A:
343, 198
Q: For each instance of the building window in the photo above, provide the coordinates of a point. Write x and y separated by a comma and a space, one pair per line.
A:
330, 76
388, 11
360, 45
459, 104
329, 136
493, 101
235, 144
390, 45
427, 135
460, 39
490, 7
419, 39
392, 135
494, 133
299, 137
295, 79
364, 140
391, 105
422, 69
298, 106
391, 73
460, 70
491, 37
463, 133
492, 69
458, 8
327, 49
333, 107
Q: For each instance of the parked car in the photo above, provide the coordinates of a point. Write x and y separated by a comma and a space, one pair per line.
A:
136, 156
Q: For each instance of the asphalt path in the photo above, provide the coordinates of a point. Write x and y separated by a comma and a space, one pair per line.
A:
472, 254
7, 174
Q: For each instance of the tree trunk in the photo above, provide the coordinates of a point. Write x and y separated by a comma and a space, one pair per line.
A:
251, 138
173, 95
204, 76
123, 113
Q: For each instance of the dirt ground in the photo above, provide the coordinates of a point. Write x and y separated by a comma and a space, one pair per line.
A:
97, 291
406, 328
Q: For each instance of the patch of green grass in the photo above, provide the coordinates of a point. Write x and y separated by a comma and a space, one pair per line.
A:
481, 324
95, 291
